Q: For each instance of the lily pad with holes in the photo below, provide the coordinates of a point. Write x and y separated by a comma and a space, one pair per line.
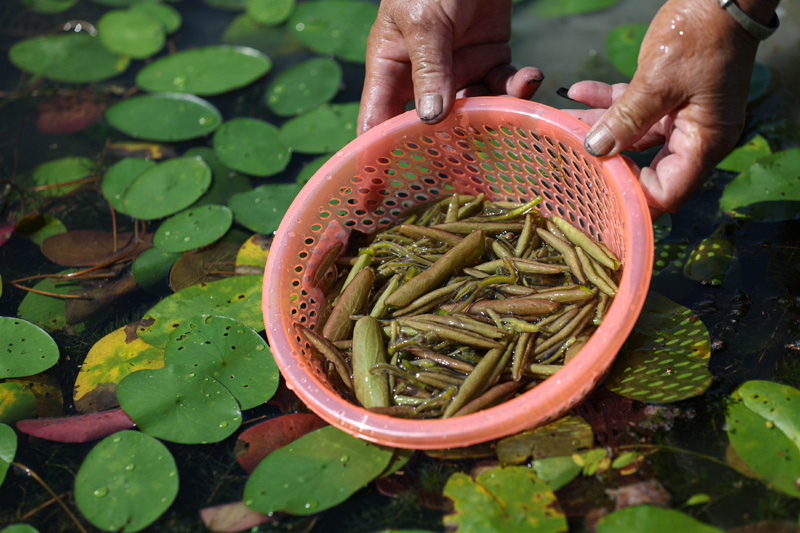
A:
8, 449
26, 348
503, 499
152, 267
167, 188
763, 422
118, 178
710, 261
193, 228
17, 402
238, 297
226, 182
669, 257
326, 128
48, 6
561, 8
622, 47
177, 403
652, 519
228, 350
50, 175
316, 472
262, 209
251, 146
126, 482
166, 117
337, 27
304, 86
206, 71
565, 436
167, 16
742, 157
270, 12
69, 57
130, 33
108, 362
768, 190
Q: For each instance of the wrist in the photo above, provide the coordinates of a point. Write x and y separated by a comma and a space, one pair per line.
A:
750, 14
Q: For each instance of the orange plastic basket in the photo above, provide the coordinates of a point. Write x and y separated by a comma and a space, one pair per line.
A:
508, 149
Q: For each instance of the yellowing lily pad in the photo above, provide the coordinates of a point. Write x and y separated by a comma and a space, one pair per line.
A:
164, 117
167, 188
17, 402
742, 157
252, 255
193, 228
130, 33
304, 86
326, 128
251, 146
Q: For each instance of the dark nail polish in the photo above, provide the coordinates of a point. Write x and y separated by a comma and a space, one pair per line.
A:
540, 79
563, 92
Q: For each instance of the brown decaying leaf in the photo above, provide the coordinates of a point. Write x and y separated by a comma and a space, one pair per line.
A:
81, 248
203, 266
77, 428
69, 113
49, 398
232, 517
97, 296
258, 441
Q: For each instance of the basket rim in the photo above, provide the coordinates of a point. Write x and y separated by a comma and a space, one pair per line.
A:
547, 400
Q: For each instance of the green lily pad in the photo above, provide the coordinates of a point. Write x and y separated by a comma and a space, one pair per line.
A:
60, 171
70, 57
226, 182
245, 31
501, 500
164, 117
622, 47
741, 158
167, 16
229, 351
39, 227
334, 27
304, 86
710, 260
8, 449
564, 436
48, 312
316, 472
233, 5
668, 256
270, 12
27, 349
152, 267
662, 227
759, 81
653, 519
556, 472
48, 6
768, 190
262, 209
177, 403
561, 8
237, 297
17, 402
167, 188
326, 128
311, 168
130, 33
193, 228
251, 146
763, 422
118, 178
126, 482
204, 71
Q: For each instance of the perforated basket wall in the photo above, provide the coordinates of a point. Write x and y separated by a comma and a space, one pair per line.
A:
509, 149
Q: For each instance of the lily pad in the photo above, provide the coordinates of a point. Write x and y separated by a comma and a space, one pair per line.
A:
212, 263
245, 31
622, 47
237, 297
46, 390
251, 146
561, 8
556, 472
84, 247
503, 499
652, 519
39, 227
64, 170
69, 57
177, 403
126, 482
262, 209
164, 117
118, 178
167, 16
152, 267
763, 424
27, 349
669, 256
311, 168
337, 27
204, 71
304, 86
251, 257
710, 260
564, 436
8, 449
48, 312
108, 362
742, 157
226, 182
77, 428
767, 191
48, 6
193, 228
270, 12
130, 33
17, 402
316, 472
326, 128
167, 188
19, 528
231, 352
259, 440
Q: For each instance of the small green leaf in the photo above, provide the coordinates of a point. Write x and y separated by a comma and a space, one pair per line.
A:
502, 500
768, 190
624, 459
337, 27
698, 499
622, 47
167, 188
741, 158
251, 146
130, 33
164, 117
556, 472
316, 472
8, 449
118, 178
178, 403
326, 128
561, 8
304, 86
126, 482
193, 228
270, 12
17, 402
639, 518
262, 209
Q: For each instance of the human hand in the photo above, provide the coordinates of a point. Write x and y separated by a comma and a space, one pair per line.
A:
689, 91
431, 51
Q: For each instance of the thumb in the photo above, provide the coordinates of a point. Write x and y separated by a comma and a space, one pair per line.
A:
628, 119
430, 49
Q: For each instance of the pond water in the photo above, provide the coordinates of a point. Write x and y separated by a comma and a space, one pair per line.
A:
753, 317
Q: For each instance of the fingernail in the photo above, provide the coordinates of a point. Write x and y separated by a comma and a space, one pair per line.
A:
429, 106
540, 79
599, 141
563, 92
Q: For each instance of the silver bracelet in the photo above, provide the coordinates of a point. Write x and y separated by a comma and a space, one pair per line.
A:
757, 30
